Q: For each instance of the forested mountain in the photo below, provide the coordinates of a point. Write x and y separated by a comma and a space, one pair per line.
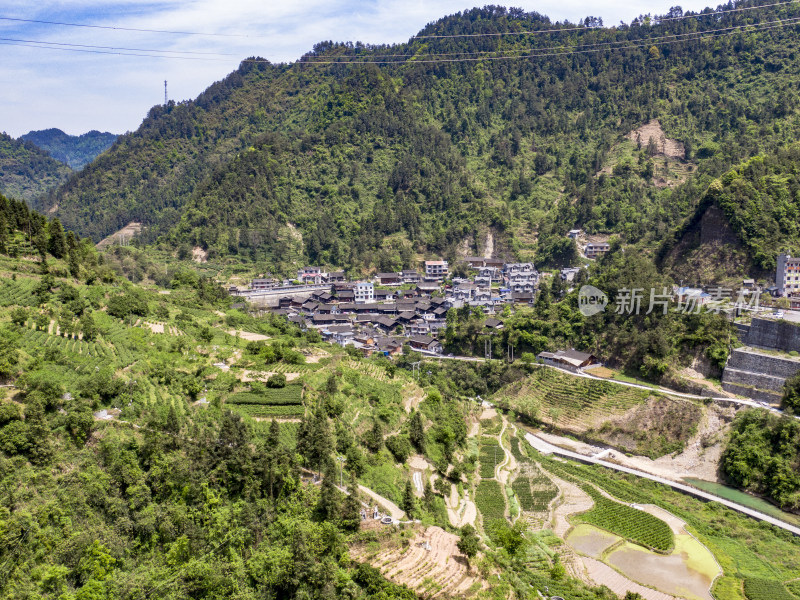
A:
75, 151
26, 171
748, 216
443, 137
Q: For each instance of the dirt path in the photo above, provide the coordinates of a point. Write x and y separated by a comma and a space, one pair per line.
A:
460, 511
248, 375
509, 464
247, 336
412, 397
573, 500
395, 511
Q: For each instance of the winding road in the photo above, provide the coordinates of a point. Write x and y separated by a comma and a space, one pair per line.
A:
548, 448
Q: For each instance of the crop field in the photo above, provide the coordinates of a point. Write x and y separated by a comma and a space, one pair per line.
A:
19, 292
534, 490
565, 401
273, 402
263, 410
628, 522
491, 454
516, 451
765, 589
522, 489
743, 547
490, 500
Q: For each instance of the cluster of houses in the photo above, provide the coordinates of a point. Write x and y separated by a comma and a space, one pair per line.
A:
590, 249
406, 307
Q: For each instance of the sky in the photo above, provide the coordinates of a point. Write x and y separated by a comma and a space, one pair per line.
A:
76, 91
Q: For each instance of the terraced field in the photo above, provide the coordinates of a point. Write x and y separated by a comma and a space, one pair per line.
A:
430, 564
491, 455
490, 500
567, 402
272, 402
17, 292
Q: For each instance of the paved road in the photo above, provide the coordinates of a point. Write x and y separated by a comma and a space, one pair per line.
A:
662, 390
548, 448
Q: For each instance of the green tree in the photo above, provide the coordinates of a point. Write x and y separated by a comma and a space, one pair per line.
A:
373, 439
791, 394
9, 353
329, 495
409, 501
351, 506
88, 327
417, 431
56, 244
468, 542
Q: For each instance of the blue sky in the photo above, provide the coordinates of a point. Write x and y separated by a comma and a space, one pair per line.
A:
77, 92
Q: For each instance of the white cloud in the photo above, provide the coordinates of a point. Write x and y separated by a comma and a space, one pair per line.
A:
80, 91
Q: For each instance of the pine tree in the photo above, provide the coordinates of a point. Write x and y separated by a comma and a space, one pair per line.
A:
74, 264
417, 432
328, 505
409, 502
373, 440
322, 444
88, 326
274, 435
56, 244
351, 507
3, 234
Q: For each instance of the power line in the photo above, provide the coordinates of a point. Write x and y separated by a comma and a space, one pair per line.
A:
28, 45
503, 54
116, 28
432, 36
533, 52
561, 29
113, 47
576, 46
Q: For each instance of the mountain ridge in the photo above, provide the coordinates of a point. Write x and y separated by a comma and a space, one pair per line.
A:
26, 171
374, 163
75, 151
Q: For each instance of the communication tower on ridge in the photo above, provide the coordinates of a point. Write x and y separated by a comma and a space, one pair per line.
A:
165, 92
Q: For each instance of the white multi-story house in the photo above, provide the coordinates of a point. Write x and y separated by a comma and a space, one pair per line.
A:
364, 292
436, 269
312, 275
787, 278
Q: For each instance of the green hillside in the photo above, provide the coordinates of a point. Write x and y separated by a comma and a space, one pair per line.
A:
754, 209
27, 172
365, 165
75, 151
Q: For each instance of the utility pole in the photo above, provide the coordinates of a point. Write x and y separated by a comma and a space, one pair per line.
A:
341, 470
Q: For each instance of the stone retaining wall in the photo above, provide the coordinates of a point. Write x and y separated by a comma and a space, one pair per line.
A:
769, 333
757, 375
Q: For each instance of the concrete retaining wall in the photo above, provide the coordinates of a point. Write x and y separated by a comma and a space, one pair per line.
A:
757, 375
756, 380
779, 335
758, 362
